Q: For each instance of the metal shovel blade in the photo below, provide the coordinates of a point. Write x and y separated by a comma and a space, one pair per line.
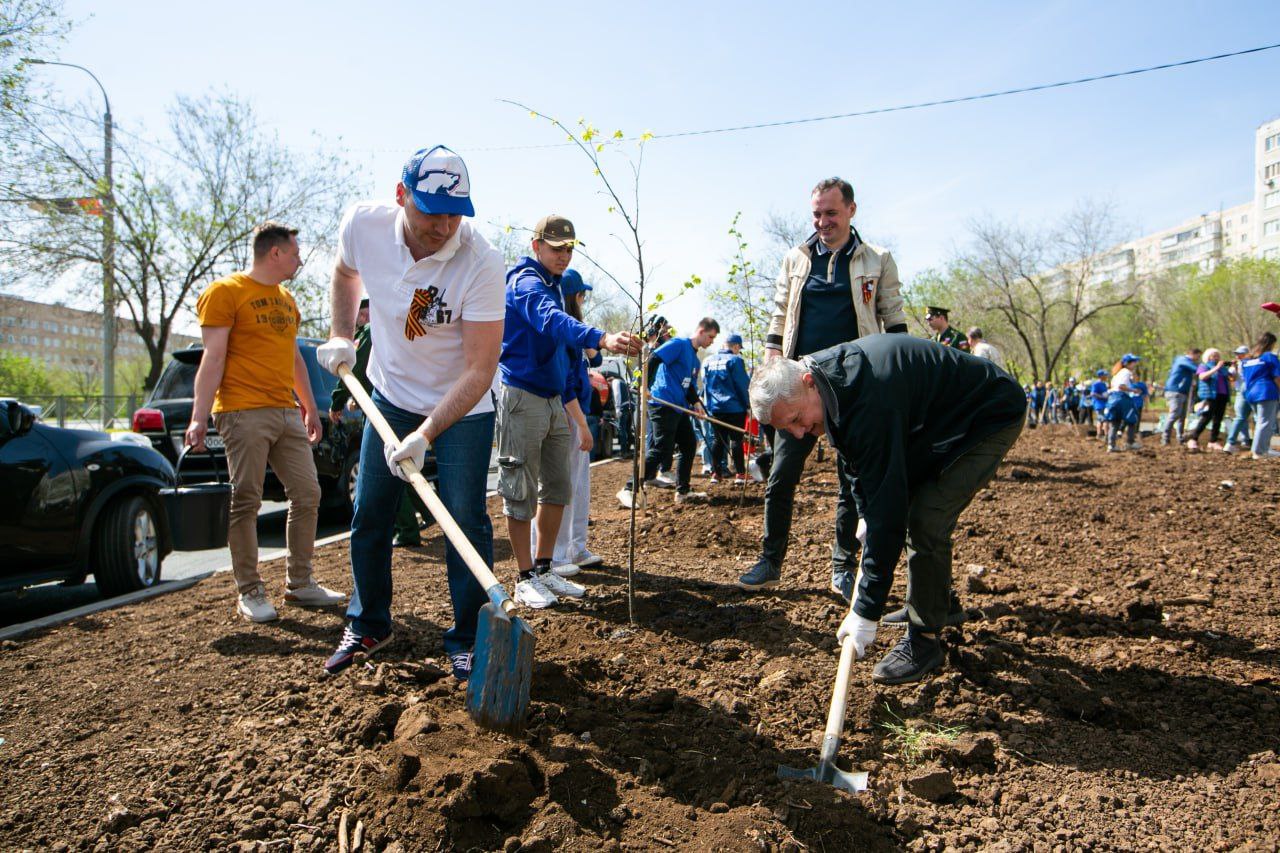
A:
832, 775
501, 670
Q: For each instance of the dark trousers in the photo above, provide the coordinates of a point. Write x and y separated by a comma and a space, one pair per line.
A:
728, 442
934, 508
1217, 409
789, 455
669, 431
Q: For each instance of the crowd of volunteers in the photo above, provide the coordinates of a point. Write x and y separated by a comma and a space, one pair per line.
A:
462, 356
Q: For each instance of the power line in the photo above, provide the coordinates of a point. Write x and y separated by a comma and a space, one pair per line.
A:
1022, 90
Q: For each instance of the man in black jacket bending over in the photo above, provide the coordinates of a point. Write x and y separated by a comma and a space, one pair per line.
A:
920, 428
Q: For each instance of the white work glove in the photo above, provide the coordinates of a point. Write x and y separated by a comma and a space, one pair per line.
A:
861, 534
412, 447
336, 351
862, 630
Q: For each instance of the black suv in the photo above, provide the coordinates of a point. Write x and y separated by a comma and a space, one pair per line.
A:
167, 412
74, 502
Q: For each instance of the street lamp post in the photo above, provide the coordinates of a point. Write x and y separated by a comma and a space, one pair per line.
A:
108, 251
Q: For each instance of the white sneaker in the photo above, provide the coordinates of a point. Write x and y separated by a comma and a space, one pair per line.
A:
691, 498
561, 587
534, 593
1269, 454
565, 570
587, 559
1228, 448
663, 481
627, 498
314, 595
253, 605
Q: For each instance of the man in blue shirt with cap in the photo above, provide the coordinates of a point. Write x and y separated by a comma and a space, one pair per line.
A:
1176, 389
725, 381
533, 430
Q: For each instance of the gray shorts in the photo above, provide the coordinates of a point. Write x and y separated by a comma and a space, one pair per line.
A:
533, 452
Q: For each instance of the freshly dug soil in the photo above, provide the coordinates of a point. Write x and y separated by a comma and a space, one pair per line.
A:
1115, 687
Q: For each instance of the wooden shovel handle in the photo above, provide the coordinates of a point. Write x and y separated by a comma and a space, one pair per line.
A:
496, 592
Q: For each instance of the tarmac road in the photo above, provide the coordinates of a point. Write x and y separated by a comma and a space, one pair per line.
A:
48, 599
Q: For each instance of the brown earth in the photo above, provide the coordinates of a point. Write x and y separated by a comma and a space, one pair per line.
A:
1115, 687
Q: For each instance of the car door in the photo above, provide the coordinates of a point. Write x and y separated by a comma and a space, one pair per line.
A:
37, 503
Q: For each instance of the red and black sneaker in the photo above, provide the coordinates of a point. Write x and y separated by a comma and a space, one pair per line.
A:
352, 646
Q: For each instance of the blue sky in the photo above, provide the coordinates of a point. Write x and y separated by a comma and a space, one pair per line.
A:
389, 77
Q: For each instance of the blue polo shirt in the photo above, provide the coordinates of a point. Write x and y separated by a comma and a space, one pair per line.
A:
677, 373
1260, 377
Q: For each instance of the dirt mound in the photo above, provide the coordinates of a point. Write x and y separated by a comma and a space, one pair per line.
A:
1115, 686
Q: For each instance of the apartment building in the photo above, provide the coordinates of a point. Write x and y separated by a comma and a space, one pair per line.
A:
1250, 229
67, 338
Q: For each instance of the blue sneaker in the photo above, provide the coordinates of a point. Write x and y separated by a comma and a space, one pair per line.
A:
842, 583
460, 663
760, 576
352, 645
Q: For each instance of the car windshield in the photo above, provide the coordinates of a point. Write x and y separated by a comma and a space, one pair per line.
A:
177, 382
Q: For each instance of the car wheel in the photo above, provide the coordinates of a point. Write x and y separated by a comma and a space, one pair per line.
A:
127, 549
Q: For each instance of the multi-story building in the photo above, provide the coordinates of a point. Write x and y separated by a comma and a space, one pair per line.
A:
1251, 229
1266, 192
67, 338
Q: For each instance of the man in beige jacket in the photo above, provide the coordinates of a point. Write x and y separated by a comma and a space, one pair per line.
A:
832, 289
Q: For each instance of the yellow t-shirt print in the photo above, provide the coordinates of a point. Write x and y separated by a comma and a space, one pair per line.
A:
264, 322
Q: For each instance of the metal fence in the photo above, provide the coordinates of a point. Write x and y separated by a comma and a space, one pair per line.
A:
85, 412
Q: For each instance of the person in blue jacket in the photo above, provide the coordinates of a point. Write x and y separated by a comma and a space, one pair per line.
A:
725, 379
1260, 372
1177, 388
1071, 400
1141, 393
673, 377
532, 426
1119, 413
1098, 399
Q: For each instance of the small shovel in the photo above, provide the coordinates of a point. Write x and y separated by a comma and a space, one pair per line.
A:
502, 665
826, 771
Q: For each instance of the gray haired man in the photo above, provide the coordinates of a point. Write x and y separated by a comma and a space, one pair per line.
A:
920, 429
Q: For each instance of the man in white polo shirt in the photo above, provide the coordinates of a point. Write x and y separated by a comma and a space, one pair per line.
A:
436, 309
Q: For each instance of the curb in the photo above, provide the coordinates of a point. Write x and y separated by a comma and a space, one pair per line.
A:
166, 587
105, 604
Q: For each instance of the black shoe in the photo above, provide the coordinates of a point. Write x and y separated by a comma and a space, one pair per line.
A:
353, 645
760, 576
955, 615
403, 541
912, 659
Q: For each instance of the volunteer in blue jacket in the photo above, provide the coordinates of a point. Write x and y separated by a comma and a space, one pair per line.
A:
1261, 374
1098, 399
724, 375
1119, 412
1176, 389
1238, 434
673, 376
571, 552
533, 428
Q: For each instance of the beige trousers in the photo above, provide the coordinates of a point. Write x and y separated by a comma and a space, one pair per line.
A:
253, 438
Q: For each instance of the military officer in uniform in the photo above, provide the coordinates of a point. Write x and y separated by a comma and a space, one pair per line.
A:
942, 331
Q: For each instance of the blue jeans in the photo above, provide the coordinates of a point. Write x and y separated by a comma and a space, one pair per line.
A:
462, 462
1265, 425
1239, 433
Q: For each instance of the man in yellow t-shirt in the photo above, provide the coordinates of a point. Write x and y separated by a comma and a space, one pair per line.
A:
249, 372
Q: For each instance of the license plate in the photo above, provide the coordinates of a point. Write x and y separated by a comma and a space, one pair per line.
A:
213, 442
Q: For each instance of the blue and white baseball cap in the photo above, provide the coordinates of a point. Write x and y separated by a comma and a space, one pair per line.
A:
438, 181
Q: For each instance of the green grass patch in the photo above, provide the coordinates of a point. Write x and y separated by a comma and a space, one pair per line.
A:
915, 742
